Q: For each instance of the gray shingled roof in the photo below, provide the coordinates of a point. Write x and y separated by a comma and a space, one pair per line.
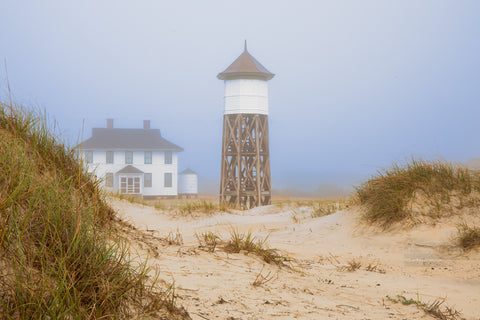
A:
188, 171
129, 169
245, 67
150, 139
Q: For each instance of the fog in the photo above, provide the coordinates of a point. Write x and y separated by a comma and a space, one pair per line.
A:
358, 85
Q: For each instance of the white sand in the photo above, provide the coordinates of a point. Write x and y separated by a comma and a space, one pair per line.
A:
417, 263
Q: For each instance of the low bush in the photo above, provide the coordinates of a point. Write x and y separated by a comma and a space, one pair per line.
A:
391, 196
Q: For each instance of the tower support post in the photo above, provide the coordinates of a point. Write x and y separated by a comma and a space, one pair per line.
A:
245, 166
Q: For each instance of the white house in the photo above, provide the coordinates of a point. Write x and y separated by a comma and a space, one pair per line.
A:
133, 161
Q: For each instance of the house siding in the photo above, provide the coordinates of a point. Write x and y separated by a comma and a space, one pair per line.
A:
158, 168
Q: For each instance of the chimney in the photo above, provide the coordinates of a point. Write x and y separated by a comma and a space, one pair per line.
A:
146, 124
109, 123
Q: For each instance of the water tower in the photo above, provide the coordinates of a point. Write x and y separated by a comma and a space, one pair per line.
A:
245, 175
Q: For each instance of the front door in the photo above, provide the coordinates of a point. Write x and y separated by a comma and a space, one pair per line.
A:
130, 185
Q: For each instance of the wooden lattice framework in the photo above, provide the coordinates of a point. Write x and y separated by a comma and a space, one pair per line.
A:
245, 175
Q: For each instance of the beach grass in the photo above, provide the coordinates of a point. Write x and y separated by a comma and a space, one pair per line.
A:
250, 243
59, 255
181, 207
245, 242
468, 236
204, 206
208, 240
416, 188
437, 308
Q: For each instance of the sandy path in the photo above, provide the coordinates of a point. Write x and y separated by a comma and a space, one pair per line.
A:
416, 263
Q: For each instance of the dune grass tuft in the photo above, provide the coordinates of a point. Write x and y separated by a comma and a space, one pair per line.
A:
436, 309
262, 279
202, 206
59, 256
389, 197
246, 242
352, 266
468, 237
208, 240
175, 238
251, 244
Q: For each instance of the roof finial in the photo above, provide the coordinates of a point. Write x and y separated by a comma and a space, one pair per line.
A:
245, 44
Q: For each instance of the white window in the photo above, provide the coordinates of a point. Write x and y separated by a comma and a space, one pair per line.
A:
130, 185
168, 157
147, 180
109, 179
168, 180
89, 156
148, 157
109, 157
128, 157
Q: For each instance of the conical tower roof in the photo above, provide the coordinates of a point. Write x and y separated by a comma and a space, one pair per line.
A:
245, 67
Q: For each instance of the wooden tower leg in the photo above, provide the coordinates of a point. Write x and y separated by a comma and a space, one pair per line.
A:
245, 169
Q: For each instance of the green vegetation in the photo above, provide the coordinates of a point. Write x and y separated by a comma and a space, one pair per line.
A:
468, 237
262, 279
180, 207
436, 308
130, 198
246, 242
175, 238
202, 206
315, 207
352, 266
208, 240
327, 207
406, 302
249, 243
418, 188
59, 256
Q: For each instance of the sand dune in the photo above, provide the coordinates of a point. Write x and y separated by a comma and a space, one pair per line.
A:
419, 263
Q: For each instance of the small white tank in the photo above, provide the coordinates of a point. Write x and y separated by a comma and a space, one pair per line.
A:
187, 182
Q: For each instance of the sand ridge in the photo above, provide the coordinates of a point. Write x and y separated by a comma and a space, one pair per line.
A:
419, 263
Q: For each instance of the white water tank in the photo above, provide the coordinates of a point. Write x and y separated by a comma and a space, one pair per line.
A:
188, 182
246, 89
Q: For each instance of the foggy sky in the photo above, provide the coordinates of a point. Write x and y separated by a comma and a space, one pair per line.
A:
358, 85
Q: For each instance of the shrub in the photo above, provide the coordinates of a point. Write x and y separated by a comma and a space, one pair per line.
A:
468, 237
388, 196
249, 243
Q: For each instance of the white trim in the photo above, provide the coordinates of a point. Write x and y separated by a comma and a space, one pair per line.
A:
127, 183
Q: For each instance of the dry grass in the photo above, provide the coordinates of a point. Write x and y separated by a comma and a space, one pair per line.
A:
59, 256
320, 207
446, 313
312, 208
391, 196
249, 243
352, 266
372, 267
175, 238
437, 309
262, 279
244, 242
208, 240
179, 207
327, 207
129, 197
202, 206
468, 237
